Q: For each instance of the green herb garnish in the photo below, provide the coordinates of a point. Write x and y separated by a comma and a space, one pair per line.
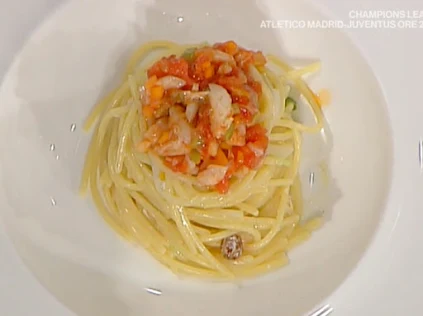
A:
195, 156
230, 132
290, 102
189, 54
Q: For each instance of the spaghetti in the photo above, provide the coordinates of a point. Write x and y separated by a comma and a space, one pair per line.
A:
195, 157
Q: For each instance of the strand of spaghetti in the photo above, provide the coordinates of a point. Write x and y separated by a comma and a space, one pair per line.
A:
280, 137
223, 214
143, 51
228, 226
105, 179
169, 231
136, 221
90, 156
141, 178
116, 112
249, 209
97, 110
106, 207
298, 239
117, 103
277, 244
158, 256
217, 236
258, 223
313, 224
306, 91
268, 253
312, 68
276, 161
185, 227
280, 182
282, 151
123, 140
201, 231
89, 165
280, 213
258, 200
297, 198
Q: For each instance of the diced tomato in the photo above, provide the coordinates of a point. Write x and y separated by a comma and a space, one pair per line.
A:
177, 163
244, 156
220, 158
223, 186
203, 84
170, 66
201, 65
244, 117
239, 157
239, 94
256, 86
250, 159
255, 133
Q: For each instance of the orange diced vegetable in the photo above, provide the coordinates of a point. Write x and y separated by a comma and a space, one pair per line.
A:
229, 47
151, 82
164, 137
209, 72
220, 158
157, 93
148, 111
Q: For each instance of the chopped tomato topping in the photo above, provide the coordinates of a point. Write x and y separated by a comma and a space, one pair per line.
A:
170, 66
202, 65
231, 82
179, 111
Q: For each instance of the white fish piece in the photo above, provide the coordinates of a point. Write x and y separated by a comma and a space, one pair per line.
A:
222, 57
212, 175
221, 104
171, 82
191, 111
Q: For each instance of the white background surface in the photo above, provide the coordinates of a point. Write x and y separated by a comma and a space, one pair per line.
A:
388, 282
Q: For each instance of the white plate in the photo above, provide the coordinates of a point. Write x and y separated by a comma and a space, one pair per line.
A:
64, 68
